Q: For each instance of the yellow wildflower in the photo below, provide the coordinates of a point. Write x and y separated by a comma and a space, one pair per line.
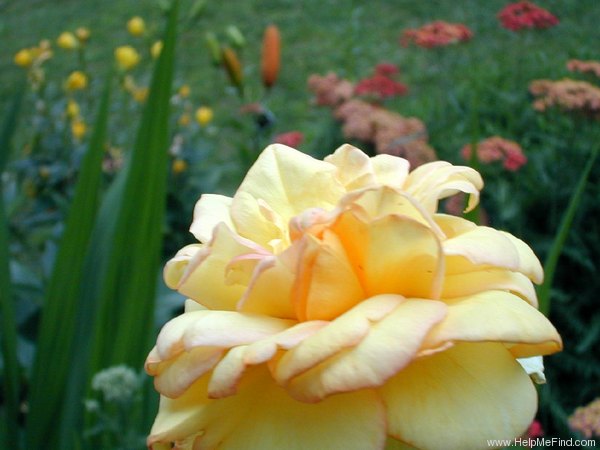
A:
204, 115
184, 91
76, 81
156, 49
83, 34
179, 166
184, 120
136, 26
78, 128
72, 109
67, 40
140, 94
23, 58
127, 57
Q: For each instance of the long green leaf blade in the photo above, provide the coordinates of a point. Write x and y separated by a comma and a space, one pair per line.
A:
8, 335
58, 323
551, 262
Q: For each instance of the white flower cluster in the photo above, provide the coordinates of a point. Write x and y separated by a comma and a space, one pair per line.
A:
118, 383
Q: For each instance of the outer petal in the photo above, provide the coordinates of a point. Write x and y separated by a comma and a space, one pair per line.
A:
500, 317
209, 211
434, 181
469, 283
204, 277
389, 346
262, 416
190, 345
483, 246
460, 398
344, 332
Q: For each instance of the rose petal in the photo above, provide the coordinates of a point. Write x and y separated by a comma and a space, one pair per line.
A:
460, 398
497, 316
469, 283
344, 332
484, 246
388, 347
209, 211
326, 284
434, 181
393, 255
263, 416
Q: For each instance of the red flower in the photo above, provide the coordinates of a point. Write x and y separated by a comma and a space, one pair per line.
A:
291, 139
381, 85
517, 16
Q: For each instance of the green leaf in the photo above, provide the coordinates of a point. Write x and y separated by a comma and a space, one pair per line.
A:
56, 343
551, 262
8, 325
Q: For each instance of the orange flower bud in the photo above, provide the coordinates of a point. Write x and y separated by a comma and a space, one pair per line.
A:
271, 55
233, 67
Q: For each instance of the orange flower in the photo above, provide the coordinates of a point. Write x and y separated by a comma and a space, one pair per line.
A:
271, 55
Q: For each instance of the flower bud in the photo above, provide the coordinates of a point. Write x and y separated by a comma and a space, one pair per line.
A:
136, 26
127, 57
271, 55
67, 41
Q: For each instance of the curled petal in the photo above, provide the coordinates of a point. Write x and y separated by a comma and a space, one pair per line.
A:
228, 373
497, 316
356, 170
389, 346
176, 267
484, 246
209, 211
473, 392
434, 181
468, 283
344, 332
222, 329
204, 278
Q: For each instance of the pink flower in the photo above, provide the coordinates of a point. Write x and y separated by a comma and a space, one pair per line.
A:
436, 34
291, 138
496, 148
517, 16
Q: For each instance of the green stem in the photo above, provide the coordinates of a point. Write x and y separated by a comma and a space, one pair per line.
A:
562, 234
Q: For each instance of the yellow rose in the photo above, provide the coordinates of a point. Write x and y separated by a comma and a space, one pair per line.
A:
23, 58
67, 40
127, 57
332, 307
76, 81
136, 26
204, 115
